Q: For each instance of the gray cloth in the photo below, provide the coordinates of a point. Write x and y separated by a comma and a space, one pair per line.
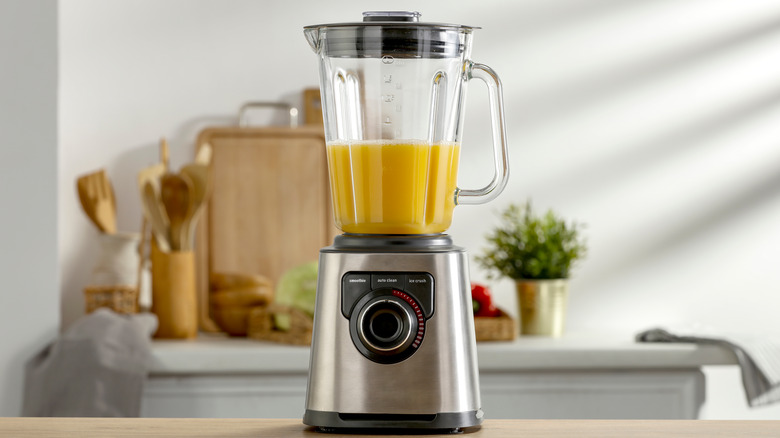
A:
758, 358
97, 368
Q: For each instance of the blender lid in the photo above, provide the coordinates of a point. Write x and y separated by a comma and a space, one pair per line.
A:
388, 33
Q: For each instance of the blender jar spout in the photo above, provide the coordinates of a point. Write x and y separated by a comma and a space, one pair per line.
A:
313, 38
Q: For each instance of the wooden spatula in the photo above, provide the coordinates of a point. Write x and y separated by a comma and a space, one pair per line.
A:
199, 176
97, 199
176, 195
156, 215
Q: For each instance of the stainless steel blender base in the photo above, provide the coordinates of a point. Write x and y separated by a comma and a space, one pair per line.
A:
393, 343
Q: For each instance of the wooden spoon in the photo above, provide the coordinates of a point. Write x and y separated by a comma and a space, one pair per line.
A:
164, 153
97, 199
151, 173
199, 175
176, 195
156, 215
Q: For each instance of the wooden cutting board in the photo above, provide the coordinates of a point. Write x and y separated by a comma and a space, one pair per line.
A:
270, 207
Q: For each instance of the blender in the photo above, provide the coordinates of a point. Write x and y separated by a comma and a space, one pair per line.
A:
393, 343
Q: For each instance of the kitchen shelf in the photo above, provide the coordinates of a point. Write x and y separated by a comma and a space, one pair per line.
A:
210, 354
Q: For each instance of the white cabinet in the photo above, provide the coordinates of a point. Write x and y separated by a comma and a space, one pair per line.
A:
529, 378
204, 396
597, 394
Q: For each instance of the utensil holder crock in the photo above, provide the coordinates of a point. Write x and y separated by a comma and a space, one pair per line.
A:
117, 260
174, 298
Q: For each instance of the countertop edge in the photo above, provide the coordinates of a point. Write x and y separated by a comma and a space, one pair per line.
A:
229, 356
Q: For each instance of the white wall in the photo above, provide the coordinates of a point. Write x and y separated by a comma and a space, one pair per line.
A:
653, 122
29, 301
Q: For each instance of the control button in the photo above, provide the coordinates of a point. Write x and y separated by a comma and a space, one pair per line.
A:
388, 280
420, 286
387, 326
353, 286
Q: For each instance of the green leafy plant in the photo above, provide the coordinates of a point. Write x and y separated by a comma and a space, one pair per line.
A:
532, 247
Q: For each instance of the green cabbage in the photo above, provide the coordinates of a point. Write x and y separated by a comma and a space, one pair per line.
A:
282, 321
297, 287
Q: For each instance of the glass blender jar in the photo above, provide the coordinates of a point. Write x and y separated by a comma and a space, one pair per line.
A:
393, 91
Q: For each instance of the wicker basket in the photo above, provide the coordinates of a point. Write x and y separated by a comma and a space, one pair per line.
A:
495, 328
120, 299
261, 325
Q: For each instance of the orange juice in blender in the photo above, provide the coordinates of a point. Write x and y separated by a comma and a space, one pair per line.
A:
394, 186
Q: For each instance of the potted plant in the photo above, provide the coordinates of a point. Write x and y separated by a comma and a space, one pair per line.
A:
537, 251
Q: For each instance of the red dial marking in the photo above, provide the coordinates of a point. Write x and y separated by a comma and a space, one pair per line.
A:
420, 318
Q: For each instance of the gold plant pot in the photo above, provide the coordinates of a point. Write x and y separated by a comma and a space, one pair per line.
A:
542, 306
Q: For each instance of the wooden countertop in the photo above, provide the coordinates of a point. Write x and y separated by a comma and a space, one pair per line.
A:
254, 428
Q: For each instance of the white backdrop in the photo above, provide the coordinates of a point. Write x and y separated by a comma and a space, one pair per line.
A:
655, 123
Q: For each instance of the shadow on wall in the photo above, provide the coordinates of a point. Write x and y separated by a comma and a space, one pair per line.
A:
542, 18
549, 105
631, 159
558, 19
690, 226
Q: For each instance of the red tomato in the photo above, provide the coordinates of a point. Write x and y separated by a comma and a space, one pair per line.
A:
482, 301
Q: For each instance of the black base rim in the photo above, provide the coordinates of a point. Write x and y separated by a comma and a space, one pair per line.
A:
443, 422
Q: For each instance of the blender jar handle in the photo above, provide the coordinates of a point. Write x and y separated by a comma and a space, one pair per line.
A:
500, 151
